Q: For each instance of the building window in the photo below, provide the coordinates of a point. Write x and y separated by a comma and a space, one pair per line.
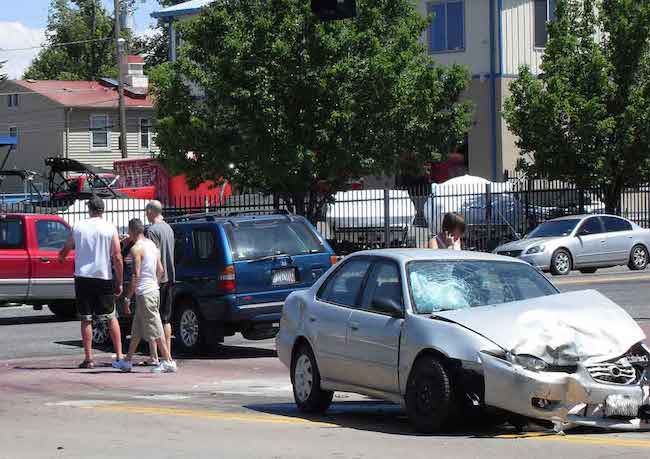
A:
544, 13
12, 100
99, 131
447, 31
145, 133
13, 131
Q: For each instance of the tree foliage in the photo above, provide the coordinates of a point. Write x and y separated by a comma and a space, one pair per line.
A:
586, 118
71, 21
297, 107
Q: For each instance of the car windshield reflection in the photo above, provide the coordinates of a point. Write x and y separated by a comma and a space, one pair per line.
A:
450, 285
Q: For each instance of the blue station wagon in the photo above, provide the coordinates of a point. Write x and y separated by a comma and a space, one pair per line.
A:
234, 273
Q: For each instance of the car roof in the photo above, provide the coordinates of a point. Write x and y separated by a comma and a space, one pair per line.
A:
582, 216
406, 255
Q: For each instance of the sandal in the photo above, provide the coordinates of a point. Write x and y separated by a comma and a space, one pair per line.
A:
87, 364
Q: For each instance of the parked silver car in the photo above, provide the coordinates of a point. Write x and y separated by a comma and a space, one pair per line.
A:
583, 242
448, 334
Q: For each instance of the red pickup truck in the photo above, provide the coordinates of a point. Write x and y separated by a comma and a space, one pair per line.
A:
29, 269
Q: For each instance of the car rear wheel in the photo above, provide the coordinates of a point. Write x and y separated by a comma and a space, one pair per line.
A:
588, 270
189, 328
305, 378
429, 396
638, 258
561, 263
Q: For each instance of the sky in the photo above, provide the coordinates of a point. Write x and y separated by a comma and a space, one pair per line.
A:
22, 24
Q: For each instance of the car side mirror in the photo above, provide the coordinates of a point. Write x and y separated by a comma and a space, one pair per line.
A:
388, 306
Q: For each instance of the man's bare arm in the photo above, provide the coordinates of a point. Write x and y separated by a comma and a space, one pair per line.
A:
67, 248
118, 264
136, 254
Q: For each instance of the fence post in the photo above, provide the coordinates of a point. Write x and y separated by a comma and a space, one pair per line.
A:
581, 201
386, 218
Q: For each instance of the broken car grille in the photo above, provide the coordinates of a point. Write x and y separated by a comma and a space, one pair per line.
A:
619, 372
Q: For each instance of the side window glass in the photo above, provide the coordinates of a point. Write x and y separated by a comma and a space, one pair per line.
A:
205, 246
51, 235
614, 225
344, 285
591, 226
179, 247
383, 282
11, 234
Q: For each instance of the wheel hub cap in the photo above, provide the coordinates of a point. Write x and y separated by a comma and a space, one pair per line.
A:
189, 328
303, 378
639, 257
562, 262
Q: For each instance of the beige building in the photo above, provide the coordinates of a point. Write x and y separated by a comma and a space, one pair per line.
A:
74, 119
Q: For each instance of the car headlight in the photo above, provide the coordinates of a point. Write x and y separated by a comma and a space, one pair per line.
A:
535, 249
529, 362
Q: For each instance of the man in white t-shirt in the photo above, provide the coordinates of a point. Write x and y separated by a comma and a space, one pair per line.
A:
97, 249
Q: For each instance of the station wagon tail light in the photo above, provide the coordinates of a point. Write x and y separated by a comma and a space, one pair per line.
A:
227, 282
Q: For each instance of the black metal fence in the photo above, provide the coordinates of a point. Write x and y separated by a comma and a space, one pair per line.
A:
362, 219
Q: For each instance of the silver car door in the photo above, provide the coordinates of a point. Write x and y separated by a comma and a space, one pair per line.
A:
374, 333
591, 248
330, 316
619, 238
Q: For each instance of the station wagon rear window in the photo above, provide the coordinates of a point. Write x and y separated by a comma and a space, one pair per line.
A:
251, 240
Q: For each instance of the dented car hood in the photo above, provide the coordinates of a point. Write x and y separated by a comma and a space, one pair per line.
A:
560, 329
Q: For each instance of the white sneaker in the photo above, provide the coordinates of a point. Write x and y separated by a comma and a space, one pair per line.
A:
165, 367
123, 365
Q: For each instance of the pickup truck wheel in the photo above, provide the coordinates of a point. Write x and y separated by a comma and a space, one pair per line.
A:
101, 336
63, 310
429, 395
189, 328
305, 378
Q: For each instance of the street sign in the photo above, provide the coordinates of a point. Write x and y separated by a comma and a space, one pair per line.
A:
332, 10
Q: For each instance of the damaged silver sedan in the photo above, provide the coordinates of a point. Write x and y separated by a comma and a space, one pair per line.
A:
453, 335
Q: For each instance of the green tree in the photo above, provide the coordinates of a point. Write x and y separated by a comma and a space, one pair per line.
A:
586, 118
72, 21
298, 107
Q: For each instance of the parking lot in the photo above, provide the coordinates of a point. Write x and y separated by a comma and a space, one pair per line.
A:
237, 402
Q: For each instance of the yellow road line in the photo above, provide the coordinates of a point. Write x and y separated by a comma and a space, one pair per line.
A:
206, 414
601, 280
580, 439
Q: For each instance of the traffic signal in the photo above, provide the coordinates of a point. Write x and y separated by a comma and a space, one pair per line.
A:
331, 10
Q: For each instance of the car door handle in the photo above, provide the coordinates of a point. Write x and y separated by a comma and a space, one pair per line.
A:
354, 326
312, 319
45, 259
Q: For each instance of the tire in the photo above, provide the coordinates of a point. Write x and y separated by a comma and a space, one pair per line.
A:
189, 328
305, 379
429, 396
561, 263
588, 270
101, 336
638, 258
64, 310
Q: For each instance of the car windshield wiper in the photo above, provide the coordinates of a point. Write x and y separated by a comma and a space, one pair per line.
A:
269, 257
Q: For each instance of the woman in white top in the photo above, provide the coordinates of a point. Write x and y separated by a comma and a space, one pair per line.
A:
453, 230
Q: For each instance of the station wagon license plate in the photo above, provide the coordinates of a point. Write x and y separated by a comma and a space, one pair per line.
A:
284, 276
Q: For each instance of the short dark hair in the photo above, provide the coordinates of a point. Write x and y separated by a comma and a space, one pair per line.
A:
96, 204
136, 226
453, 221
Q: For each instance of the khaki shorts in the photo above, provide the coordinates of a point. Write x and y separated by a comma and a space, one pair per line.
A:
146, 323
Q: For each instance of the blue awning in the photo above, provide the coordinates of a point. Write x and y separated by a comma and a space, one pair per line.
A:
182, 9
8, 141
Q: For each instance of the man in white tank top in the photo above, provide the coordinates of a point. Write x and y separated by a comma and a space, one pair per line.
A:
147, 325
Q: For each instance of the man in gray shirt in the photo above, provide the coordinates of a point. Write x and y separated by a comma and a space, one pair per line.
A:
163, 236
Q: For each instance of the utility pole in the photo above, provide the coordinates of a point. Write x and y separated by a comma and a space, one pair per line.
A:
119, 45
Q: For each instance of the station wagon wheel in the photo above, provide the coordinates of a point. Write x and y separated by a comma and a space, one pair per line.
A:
188, 328
638, 258
101, 335
305, 378
561, 263
429, 395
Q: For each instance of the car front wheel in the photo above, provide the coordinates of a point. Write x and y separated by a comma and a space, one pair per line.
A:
561, 263
305, 378
638, 258
429, 395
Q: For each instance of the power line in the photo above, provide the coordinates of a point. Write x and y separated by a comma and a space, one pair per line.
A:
55, 45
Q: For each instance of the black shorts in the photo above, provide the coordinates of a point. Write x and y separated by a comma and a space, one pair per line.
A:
95, 298
166, 300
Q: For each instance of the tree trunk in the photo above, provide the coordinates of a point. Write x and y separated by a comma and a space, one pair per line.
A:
612, 197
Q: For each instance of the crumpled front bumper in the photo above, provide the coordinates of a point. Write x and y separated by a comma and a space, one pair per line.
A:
570, 399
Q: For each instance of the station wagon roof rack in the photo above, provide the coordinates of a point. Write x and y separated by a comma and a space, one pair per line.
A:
212, 216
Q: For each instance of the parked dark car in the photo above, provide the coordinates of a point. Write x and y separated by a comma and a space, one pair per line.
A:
234, 273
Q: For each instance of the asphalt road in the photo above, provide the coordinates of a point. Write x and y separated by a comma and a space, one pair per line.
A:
237, 403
